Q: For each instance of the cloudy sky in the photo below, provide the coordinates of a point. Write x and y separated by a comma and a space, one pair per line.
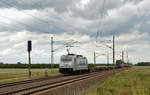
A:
90, 22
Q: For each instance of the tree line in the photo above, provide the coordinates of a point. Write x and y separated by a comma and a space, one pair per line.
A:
143, 64
20, 65
26, 65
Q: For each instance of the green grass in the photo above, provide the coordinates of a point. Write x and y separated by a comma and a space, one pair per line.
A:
14, 75
135, 81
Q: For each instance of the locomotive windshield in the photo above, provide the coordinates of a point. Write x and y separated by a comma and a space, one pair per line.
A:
66, 59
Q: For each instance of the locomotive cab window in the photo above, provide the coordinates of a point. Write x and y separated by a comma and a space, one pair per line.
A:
66, 59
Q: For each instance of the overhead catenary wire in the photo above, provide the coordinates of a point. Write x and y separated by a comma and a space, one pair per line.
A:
36, 28
35, 17
35, 4
64, 44
26, 24
4, 25
100, 17
44, 21
21, 23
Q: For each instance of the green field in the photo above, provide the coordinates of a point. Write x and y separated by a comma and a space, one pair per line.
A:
13, 75
135, 81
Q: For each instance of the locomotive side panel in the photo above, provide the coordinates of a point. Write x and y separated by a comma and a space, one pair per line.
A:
82, 64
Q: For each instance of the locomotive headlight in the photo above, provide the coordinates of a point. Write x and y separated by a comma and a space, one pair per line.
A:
66, 65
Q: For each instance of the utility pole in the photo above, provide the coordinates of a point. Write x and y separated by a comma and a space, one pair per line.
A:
113, 50
94, 59
123, 56
29, 57
113, 54
52, 57
127, 58
108, 59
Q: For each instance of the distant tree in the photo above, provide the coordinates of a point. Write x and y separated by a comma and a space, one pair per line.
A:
143, 64
21, 65
1, 62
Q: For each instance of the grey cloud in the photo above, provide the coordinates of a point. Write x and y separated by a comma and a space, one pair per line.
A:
59, 5
57, 24
67, 18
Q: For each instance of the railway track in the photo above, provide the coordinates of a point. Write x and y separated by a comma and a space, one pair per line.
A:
28, 81
19, 87
38, 86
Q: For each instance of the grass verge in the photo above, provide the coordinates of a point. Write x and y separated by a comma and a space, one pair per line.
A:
135, 81
15, 75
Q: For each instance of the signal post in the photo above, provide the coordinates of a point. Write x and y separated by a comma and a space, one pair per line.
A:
29, 56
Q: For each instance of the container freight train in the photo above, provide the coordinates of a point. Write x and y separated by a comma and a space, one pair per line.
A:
77, 64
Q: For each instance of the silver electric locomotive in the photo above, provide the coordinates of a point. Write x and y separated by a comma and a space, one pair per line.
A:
73, 64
